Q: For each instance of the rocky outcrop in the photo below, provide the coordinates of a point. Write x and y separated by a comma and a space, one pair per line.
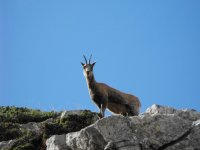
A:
16, 134
159, 128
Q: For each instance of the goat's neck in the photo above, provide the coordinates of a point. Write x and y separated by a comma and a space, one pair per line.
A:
92, 85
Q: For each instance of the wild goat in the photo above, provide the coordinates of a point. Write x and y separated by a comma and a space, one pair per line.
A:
105, 96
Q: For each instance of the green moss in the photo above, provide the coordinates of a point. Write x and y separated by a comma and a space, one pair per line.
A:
24, 115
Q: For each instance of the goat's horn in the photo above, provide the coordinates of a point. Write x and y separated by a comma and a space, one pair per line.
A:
90, 58
85, 59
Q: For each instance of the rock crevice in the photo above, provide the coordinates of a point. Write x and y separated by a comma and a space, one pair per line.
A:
179, 139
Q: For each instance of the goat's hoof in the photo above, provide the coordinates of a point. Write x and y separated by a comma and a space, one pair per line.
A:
100, 116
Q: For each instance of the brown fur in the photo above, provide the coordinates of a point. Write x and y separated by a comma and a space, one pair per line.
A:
119, 108
105, 96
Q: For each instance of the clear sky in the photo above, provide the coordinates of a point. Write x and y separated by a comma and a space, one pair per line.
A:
148, 48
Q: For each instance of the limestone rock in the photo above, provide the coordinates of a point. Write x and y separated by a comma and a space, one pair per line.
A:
158, 128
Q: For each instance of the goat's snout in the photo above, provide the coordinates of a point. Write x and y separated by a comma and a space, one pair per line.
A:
87, 72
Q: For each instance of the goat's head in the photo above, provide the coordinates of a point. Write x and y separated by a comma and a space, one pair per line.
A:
88, 67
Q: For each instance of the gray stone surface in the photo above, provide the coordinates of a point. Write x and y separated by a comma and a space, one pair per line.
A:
188, 114
31, 126
158, 128
6, 144
56, 142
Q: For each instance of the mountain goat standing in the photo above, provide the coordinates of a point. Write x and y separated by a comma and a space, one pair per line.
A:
105, 96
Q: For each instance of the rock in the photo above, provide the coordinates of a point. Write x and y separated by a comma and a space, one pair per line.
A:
187, 114
31, 126
56, 142
88, 138
6, 144
190, 141
65, 114
158, 128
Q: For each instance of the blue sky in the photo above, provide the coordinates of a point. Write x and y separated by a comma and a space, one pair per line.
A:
148, 48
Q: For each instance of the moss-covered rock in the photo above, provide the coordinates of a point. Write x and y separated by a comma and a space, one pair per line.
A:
30, 128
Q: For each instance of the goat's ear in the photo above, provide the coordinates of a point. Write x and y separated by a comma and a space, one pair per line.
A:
82, 64
93, 64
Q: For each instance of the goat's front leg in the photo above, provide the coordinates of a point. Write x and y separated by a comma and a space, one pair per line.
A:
102, 109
